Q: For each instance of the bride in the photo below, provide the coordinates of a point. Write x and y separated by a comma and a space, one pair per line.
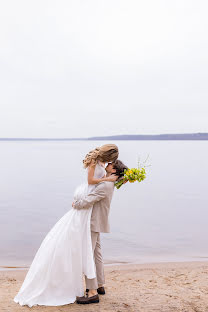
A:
55, 276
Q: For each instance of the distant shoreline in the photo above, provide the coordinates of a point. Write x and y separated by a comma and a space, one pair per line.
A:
107, 264
126, 137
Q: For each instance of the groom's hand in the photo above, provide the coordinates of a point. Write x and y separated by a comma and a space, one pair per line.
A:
112, 178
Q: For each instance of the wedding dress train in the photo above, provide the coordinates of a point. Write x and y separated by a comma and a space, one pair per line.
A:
55, 276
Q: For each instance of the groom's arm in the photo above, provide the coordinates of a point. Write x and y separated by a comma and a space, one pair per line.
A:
88, 201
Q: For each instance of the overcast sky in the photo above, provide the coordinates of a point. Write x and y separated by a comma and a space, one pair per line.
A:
103, 67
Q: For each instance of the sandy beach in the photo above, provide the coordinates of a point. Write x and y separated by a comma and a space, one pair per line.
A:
162, 287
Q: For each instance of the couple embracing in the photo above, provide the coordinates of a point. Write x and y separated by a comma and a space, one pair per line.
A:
72, 247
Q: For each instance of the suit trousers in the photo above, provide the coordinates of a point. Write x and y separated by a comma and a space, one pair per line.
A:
100, 277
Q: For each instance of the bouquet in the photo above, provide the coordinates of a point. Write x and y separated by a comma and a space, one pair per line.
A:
132, 175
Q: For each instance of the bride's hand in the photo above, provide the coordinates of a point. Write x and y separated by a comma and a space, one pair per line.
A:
112, 178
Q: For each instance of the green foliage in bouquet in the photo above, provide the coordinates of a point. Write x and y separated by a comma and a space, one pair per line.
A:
132, 175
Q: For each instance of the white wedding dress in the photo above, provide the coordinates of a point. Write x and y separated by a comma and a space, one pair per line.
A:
55, 276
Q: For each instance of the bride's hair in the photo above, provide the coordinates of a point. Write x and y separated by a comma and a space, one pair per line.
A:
105, 153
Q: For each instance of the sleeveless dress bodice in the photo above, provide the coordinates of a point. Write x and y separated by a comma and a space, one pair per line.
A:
99, 173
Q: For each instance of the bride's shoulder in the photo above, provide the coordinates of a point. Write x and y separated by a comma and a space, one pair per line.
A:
100, 164
97, 171
91, 167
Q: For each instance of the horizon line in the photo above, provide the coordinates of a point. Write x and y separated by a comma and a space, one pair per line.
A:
107, 136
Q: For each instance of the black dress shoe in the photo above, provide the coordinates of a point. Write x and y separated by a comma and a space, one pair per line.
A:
87, 300
100, 290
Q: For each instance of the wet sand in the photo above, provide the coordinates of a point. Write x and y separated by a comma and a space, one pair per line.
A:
162, 287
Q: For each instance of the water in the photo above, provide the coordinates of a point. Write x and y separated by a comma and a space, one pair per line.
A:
161, 219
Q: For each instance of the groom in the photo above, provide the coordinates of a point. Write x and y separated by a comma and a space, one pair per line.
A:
100, 199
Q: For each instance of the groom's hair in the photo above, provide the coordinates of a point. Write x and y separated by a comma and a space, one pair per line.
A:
119, 167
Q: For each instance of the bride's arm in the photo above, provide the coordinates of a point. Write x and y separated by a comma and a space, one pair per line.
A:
92, 180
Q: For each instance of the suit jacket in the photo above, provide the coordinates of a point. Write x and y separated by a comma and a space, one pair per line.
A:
100, 198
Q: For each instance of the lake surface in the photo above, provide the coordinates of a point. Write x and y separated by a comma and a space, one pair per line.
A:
164, 218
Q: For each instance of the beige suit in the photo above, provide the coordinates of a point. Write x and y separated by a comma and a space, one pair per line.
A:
100, 198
